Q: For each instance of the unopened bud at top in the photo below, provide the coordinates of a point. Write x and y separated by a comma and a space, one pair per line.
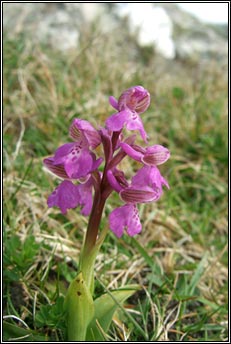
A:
135, 98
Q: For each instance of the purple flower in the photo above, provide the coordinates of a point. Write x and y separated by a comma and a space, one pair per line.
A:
146, 185
67, 196
131, 103
125, 217
74, 160
150, 177
153, 155
77, 159
135, 98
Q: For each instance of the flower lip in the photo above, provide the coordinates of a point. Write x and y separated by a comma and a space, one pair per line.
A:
125, 217
78, 160
127, 118
68, 195
65, 196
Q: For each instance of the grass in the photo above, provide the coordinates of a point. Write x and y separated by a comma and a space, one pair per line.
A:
180, 259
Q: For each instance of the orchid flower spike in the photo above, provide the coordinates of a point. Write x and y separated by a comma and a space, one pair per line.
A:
85, 182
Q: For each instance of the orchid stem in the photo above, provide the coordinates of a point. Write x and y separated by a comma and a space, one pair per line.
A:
91, 246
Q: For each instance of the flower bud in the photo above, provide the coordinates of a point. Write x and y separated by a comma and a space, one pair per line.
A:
136, 98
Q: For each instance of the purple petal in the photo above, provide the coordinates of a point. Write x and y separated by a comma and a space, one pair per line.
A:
56, 169
130, 151
143, 103
113, 181
121, 178
164, 182
62, 152
134, 226
135, 123
125, 217
118, 220
135, 98
113, 102
85, 191
116, 121
65, 196
78, 163
156, 155
74, 131
77, 159
83, 130
145, 177
149, 176
144, 195
155, 178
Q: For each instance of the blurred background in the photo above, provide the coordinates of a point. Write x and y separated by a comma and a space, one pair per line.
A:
63, 60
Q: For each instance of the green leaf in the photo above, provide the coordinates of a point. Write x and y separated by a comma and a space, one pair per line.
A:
13, 332
197, 274
80, 309
105, 307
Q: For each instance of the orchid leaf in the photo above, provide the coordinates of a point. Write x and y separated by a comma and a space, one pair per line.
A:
80, 309
105, 307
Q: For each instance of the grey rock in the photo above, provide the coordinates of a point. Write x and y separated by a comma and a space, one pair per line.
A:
170, 30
